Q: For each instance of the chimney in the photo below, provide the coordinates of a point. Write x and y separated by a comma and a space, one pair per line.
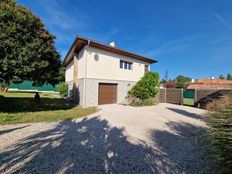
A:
212, 78
112, 44
193, 80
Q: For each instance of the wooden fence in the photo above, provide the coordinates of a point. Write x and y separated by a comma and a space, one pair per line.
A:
175, 96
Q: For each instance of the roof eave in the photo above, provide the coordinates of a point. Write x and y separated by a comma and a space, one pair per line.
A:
84, 40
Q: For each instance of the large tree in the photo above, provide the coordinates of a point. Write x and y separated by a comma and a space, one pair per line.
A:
221, 77
181, 80
27, 49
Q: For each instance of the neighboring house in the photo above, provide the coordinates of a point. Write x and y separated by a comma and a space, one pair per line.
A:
102, 74
212, 80
207, 83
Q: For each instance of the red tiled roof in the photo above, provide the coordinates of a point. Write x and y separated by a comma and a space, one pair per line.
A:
210, 86
206, 80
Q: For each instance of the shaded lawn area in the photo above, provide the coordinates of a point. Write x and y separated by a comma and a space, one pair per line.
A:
20, 107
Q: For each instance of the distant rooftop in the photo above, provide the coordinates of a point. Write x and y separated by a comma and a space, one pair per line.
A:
207, 80
210, 86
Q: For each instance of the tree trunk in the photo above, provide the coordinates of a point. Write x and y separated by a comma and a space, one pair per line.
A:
7, 85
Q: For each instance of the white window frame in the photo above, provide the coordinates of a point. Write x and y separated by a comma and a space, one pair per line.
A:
125, 65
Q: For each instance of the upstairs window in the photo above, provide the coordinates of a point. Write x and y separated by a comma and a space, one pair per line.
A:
121, 64
146, 69
125, 65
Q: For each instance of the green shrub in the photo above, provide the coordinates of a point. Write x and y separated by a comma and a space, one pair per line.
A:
220, 122
144, 90
62, 88
139, 102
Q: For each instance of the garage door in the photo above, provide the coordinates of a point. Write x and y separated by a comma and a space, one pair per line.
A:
107, 93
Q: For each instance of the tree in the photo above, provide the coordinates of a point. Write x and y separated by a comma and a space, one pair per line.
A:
181, 80
61, 75
165, 78
221, 77
145, 89
229, 76
27, 49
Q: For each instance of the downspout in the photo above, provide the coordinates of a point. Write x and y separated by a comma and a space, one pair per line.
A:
85, 73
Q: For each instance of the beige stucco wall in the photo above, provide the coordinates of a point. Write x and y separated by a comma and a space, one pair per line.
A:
106, 69
107, 66
81, 63
69, 72
92, 90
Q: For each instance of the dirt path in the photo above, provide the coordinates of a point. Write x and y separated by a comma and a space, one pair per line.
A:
118, 139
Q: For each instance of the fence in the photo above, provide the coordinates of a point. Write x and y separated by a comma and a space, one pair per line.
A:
188, 97
27, 86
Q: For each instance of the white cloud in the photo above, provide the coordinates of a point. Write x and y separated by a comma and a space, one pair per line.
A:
222, 21
56, 16
177, 45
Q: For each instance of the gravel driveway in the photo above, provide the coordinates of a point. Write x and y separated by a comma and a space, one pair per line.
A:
118, 139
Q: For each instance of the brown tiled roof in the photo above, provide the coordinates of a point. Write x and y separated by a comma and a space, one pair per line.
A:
81, 41
206, 80
210, 86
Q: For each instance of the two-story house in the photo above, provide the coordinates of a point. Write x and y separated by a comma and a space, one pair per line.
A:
102, 74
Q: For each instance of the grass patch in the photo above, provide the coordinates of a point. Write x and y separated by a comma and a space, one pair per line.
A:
17, 107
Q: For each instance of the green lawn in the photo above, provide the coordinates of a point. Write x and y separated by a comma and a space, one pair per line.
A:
18, 107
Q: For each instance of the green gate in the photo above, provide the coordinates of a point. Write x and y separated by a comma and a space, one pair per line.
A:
189, 97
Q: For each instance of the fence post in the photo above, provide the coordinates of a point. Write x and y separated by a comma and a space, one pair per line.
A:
195, 97
165, 95
182, 96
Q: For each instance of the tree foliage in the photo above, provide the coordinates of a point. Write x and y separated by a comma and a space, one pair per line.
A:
221, 77
62, 88
145, 88
229, 76
27, 49
181, 80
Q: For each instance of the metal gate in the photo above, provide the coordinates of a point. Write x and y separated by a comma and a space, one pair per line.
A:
189, 97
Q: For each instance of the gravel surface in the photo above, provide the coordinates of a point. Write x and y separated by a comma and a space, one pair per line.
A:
118, 139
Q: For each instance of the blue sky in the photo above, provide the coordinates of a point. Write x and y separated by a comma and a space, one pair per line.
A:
189, 37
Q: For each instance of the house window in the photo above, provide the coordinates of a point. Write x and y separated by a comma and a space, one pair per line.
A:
146, 69
121, 64
125, 65
129, 66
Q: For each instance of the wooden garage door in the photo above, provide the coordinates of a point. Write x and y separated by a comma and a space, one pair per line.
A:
107, 93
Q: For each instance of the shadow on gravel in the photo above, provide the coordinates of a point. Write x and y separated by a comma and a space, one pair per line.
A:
92, 146
185, 113
187, 147
11, 130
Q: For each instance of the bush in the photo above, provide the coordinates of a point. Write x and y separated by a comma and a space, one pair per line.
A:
62, 88
221, 131
144, 90
139, 102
